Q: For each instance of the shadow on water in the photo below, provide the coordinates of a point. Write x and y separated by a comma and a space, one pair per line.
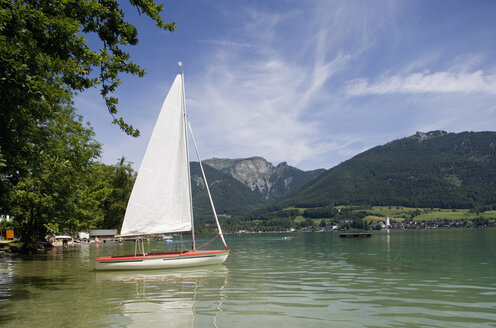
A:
37, 282
25, 288
24, 278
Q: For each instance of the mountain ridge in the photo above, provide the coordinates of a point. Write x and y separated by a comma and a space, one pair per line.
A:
261, 176
427, 169
432, 169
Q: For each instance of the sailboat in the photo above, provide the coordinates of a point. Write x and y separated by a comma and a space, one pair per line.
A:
161, 201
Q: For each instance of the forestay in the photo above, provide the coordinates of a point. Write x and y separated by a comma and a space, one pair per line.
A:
161, 199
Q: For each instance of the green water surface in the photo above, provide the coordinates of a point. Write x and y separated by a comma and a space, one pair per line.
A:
438, 278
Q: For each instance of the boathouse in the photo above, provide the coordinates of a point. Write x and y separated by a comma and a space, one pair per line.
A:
103, 235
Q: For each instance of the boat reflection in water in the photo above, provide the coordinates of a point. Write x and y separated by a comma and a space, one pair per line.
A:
173, 298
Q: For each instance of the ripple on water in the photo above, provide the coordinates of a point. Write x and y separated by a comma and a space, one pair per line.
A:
312, 280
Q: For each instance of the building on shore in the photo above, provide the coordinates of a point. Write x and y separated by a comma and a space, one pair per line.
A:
103, 235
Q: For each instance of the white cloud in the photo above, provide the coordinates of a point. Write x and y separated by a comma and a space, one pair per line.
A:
276, 81
224, 43
253, 103
250, 110
268, 99
415, 83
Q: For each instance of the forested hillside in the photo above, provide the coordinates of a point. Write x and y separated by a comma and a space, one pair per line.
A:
435, 169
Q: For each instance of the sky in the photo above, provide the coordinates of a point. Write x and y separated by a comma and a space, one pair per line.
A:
312, 83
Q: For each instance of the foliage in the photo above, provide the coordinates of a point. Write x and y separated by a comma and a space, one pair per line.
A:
44, 54
121, 178
265, 214
437, 169
481, 222
311, 204
49, 179
317, 213
56, 192
8, 225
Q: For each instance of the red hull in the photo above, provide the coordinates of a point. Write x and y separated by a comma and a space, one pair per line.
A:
160, 255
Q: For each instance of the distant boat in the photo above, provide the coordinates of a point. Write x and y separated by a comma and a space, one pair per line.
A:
161, 201
59, 240
355, 235
166, 238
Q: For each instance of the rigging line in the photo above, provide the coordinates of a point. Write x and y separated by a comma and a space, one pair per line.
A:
206, 184
143, 247
208, 242
182, 241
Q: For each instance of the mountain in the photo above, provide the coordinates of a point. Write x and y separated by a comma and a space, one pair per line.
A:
434, 169
262, 177
229, 195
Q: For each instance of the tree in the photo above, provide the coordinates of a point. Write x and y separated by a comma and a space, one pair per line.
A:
308, 223
44, 59
121, 180
45, 55
59, 192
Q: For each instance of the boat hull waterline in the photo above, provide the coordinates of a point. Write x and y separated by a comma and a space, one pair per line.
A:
162, 260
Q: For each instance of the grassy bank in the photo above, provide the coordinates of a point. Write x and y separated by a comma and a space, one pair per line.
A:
428, 214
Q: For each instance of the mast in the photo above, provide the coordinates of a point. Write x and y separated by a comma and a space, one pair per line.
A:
183, 105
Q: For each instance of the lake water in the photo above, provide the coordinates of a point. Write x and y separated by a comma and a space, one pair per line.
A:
399, 279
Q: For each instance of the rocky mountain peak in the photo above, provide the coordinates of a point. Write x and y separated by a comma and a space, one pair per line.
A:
430, 134
261, 176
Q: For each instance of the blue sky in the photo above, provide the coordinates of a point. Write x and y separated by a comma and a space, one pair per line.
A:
312, 83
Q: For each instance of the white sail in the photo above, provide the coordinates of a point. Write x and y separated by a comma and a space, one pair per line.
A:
161, 199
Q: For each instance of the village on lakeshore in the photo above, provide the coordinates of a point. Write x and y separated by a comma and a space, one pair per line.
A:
400, 225
361, 218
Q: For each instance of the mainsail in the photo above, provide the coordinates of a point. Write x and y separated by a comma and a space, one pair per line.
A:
161, 198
